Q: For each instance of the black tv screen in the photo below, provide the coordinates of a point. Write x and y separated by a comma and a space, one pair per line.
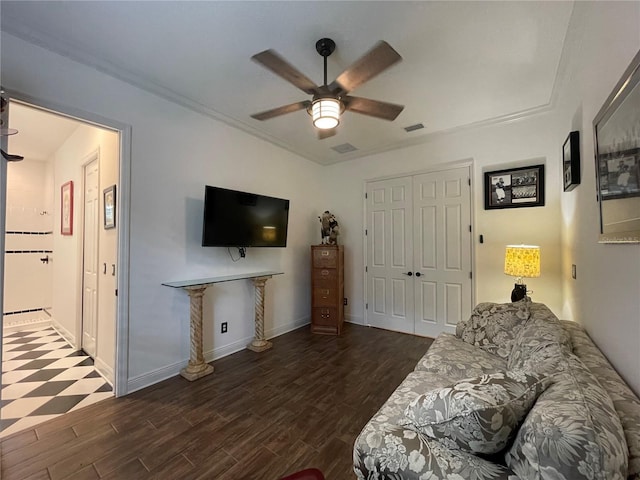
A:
241, 219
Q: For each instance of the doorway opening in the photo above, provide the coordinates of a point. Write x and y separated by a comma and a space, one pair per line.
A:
52, 234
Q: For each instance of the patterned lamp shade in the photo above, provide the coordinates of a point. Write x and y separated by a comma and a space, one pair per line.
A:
522, 261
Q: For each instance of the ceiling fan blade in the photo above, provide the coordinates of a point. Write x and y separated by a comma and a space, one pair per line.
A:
326, 133
11, 158
278, 65
375, 61
373, 108
276, 112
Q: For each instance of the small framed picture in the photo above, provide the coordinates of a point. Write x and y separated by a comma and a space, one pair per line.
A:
515, 187
109, 206
571, 161
66, 208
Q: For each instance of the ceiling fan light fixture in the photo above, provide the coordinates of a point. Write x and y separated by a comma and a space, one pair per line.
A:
326, 113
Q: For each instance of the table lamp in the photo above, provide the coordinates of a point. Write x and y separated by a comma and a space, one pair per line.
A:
521, 261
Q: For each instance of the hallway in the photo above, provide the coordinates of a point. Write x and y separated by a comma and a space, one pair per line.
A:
43, 376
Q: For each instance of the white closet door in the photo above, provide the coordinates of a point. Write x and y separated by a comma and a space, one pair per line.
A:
390, 254
442, 260
419, 252
90, 258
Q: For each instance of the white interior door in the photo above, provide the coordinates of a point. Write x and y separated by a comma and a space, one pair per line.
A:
418, 269
90, 258
442, 259
390, 254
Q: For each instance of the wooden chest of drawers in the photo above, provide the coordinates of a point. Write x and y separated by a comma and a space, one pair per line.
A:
327, 289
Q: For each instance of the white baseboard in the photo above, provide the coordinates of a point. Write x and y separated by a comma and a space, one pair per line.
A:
105, 370
66, 334
147, 379
354, 319
16, 326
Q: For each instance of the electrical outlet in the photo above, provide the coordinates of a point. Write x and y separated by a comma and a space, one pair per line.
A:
344, 301
223, 327
573, 271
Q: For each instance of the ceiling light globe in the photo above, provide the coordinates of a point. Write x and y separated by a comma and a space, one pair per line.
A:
326, 113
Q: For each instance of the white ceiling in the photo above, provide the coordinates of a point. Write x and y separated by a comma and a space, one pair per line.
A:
464, 63
40, 133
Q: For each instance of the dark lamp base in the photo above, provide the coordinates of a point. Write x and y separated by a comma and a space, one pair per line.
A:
519, 292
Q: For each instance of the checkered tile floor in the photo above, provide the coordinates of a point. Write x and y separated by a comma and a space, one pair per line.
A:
43, 377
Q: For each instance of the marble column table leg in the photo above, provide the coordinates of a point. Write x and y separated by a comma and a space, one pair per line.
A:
197, 367
259, 343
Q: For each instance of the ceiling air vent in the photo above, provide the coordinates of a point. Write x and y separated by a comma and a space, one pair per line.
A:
412, 128
344, 148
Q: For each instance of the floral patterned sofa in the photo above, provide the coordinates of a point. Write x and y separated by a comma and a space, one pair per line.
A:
515, 394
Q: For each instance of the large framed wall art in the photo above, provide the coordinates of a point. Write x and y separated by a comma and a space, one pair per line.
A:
617, 155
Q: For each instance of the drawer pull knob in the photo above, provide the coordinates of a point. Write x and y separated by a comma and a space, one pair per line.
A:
324, 272
325, 253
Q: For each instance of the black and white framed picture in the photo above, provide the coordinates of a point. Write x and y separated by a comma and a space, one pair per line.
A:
514, 187
571, 161
617, 154
109, 204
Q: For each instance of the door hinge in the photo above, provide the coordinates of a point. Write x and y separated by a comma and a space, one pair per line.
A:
366, 195
366, 269
366, 306
469, 181
116, 292
366, 232
470, 274
469, 228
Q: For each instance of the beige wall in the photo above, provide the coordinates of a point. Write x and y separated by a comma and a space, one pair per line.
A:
603, 38
526, 142
69, 160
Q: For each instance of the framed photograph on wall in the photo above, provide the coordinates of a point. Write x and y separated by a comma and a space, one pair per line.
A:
66, 208
515, 187
109, 207
571, 161
617, 154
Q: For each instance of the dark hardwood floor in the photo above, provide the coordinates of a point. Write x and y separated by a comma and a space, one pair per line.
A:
258, 416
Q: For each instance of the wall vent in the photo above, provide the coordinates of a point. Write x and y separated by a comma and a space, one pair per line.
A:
344, 148
412, 128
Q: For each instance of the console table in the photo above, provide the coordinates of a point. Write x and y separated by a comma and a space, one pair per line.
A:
197, 367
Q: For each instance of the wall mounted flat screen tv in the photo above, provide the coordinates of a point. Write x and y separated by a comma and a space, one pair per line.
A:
241, 219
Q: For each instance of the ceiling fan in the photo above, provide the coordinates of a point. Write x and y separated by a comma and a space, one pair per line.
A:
330, 101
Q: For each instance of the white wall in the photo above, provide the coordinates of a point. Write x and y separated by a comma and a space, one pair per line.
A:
28, 281
605, 297
174, 153
81, 146
524, 142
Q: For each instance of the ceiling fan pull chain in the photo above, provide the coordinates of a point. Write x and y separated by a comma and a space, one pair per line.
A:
325, 69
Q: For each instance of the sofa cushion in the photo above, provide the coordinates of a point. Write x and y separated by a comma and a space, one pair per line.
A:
493, 326
401, 453
389, 447
449, 355
541, 330
479, 414
572, 432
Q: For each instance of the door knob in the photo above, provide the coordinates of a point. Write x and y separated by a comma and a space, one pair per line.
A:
418, 274
409, 273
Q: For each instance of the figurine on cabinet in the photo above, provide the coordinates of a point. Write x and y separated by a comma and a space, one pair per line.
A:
329, 228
